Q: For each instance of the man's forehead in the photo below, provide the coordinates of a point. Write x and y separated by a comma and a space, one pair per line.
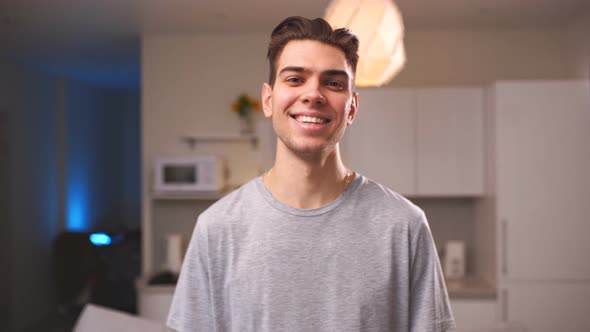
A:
311, 55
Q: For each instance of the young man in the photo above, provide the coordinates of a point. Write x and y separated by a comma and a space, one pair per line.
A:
310, 245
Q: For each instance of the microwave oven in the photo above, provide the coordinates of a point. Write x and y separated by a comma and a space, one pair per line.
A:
189, 174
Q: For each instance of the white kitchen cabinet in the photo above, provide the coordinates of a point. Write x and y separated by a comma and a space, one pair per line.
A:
419, 142
543, 184
541, 157
380, 144
474, 314
547, 306
449, 141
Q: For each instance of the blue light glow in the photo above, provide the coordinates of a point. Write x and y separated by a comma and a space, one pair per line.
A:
100, 239
77, 213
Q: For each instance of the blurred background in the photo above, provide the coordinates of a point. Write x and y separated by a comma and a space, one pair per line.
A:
92, 93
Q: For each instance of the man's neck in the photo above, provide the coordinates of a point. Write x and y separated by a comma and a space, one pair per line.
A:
307, 183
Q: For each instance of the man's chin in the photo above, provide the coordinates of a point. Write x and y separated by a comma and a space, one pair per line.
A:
312, 150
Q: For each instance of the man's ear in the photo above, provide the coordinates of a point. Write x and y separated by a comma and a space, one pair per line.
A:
353, 108
267, 100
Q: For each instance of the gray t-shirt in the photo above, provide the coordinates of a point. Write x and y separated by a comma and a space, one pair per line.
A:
364, 262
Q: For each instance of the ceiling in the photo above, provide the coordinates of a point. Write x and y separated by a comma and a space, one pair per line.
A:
102, 37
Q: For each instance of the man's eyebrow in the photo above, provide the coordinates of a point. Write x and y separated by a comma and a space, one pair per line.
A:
335, 72
292, 68
329, 72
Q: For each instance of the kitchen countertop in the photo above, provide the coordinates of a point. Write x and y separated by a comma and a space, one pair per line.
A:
470, 287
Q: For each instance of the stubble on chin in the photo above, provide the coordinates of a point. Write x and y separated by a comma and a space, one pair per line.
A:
306, 150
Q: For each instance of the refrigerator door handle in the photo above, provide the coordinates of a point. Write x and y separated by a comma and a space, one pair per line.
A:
504, 247
504, 317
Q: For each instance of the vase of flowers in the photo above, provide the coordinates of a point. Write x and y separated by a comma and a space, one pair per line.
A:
245, 106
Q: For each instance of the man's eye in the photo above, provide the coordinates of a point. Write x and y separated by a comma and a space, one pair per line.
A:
294, 79
335, 84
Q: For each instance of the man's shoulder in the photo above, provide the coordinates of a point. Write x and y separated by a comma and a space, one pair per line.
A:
375, 195
378, 193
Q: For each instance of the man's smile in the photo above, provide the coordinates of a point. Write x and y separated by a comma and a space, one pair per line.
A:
310, 119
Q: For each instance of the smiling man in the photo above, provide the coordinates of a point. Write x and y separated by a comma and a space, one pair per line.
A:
311, 245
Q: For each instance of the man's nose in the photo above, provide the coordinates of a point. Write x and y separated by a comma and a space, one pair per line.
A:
313, 95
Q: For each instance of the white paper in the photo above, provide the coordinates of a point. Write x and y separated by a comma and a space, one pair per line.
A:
99, 319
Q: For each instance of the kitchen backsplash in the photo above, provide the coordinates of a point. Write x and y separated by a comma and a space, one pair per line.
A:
451, 219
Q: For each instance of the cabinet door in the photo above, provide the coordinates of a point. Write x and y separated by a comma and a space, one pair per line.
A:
547, 306
449, 141
543, 184
474, 314
380, 143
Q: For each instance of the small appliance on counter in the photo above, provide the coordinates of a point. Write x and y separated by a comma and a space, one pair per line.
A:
175, 249
454, 260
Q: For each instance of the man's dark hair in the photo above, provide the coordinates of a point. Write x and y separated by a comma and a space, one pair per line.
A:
300, 28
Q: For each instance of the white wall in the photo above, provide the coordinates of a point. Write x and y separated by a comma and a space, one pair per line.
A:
476, 57
188, 85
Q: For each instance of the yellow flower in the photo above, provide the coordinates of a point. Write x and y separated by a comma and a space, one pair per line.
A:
245, 104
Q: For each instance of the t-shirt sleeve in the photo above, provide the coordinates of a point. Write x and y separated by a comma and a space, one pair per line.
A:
430, 309
191, 308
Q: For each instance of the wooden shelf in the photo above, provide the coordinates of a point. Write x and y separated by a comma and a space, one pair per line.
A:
192, 140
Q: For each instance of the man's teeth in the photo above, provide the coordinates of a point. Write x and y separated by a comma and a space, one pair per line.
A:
310, 119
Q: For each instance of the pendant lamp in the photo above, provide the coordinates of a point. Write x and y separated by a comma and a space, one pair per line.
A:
379, 26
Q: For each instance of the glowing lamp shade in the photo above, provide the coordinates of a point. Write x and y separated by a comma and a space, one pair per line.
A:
379, 26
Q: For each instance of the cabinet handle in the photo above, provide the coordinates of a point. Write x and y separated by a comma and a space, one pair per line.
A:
504, 317
504, 247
